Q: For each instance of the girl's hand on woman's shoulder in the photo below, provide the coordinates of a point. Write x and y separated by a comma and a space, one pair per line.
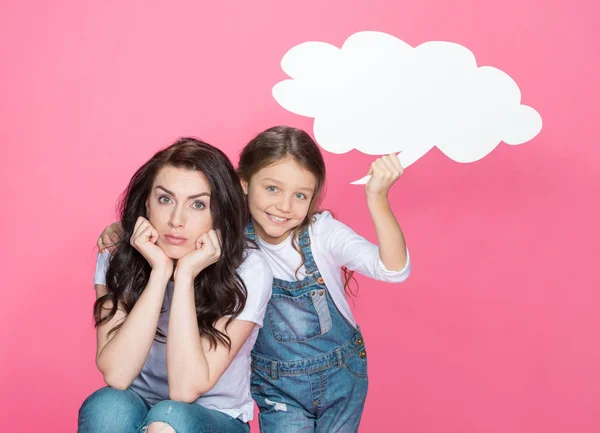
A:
110, 237
207, 252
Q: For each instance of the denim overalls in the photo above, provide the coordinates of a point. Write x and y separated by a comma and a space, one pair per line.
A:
309, 365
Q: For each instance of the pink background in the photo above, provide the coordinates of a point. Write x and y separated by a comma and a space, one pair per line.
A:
497, 328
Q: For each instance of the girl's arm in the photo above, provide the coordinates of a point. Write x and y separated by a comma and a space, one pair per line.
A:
385, 171
120, 356
110, 237
389, 261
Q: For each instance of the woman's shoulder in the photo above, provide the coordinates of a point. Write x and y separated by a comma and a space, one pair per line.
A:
253, 256
255, 264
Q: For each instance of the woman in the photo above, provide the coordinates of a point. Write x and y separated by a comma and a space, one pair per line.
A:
180, 303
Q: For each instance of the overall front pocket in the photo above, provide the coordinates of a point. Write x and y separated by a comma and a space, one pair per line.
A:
299, 318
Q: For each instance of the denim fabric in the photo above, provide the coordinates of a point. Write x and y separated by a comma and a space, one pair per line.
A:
110, 410
309, 364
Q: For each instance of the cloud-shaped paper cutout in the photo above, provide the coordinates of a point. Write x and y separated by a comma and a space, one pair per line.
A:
379, 95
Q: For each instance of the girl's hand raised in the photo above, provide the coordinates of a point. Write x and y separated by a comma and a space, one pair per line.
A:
207, 252
384, 171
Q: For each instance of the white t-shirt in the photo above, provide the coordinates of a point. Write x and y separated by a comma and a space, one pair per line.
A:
333, 245
231, 394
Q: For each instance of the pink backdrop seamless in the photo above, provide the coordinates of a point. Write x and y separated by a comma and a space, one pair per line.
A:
497, 328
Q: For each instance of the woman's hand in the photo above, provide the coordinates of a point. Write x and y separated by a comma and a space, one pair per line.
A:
207, 252
144, 240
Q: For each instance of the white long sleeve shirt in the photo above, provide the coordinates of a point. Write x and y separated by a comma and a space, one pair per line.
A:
333, 245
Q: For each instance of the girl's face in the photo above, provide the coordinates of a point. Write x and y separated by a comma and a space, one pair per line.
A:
279, 197
178, 207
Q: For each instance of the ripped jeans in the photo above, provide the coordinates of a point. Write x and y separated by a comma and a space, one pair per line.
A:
110, 410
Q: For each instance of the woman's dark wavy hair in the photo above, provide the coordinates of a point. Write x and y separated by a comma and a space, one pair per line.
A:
219, 290
277, 143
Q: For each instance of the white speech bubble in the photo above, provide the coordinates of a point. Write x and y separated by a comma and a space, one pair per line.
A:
379, 95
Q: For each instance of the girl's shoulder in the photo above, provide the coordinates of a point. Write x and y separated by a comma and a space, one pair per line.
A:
324, 223
321, 218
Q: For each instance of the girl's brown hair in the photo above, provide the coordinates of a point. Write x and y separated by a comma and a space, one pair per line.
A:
280, 142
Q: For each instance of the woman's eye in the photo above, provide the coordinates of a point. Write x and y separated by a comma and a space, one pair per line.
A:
163, 199
272, 189
198, 205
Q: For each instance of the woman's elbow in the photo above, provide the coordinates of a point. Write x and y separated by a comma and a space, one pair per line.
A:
114, 381
185, 394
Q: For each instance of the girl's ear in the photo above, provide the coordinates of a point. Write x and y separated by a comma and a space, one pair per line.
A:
244, 186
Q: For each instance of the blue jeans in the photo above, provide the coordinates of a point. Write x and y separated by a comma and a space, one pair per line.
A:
110, 410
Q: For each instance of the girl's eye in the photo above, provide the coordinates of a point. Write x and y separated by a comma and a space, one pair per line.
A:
272, 188
198, 205
163, 199
300, 196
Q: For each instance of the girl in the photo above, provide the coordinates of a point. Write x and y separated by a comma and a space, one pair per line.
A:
179, 305
309, 363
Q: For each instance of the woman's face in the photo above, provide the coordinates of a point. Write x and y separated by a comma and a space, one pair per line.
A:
178, 207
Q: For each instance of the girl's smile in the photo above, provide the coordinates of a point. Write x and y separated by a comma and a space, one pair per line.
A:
279, 198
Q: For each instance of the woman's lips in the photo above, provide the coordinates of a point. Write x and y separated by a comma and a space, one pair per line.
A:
175, 240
